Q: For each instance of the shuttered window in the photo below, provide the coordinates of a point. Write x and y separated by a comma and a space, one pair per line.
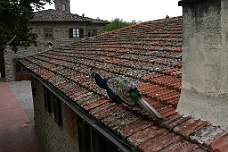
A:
75, 33
47, 99
57, 111
92, 141
48, 33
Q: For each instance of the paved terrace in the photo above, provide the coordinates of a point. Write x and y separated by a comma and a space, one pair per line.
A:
17, 132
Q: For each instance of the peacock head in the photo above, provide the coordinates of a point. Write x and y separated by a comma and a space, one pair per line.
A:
93, 75
92, 72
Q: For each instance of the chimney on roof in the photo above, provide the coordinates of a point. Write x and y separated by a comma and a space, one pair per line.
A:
62, 5
204, 92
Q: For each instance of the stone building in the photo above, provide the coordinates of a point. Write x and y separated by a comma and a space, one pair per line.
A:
55, 28
73, 114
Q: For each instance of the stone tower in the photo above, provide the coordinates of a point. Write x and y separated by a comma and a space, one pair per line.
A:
62, 5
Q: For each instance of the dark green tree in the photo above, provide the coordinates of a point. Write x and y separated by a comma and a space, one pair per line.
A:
116, 24
14, 18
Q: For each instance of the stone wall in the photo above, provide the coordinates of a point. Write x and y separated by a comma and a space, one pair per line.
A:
204, 52
54, 138
60, 33
9, 57
9, 68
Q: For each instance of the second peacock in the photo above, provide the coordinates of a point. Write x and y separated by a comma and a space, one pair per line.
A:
120, 89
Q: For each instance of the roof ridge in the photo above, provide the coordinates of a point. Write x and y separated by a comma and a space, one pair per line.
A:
53, 15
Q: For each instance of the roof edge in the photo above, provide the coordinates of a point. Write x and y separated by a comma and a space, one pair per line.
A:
191, 2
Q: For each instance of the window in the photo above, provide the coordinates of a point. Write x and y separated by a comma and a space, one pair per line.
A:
57, 111
83, 136
47, 99
91, 141
64, 7
92, 33
75, 33
48, 33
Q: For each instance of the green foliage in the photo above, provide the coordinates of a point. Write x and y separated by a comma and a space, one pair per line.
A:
116, 24
14, 18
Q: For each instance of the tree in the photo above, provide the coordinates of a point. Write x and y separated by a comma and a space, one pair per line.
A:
116, 24
14, 18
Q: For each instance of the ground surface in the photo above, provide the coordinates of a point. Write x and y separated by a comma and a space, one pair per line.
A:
23, 93
17, 131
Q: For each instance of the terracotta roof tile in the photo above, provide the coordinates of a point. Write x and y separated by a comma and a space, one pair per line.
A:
142, 136
95, 104
183, 146
207, 135
158, 143
220, 145
149, 54
104, 110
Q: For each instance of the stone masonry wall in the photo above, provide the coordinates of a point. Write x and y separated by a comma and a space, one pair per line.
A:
60, 33
9, 70
204, 62
54, 138
9, 57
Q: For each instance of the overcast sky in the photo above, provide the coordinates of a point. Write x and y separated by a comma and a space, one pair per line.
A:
128, 10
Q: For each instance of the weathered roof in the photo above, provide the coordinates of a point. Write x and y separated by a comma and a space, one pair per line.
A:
149, 54
53, 15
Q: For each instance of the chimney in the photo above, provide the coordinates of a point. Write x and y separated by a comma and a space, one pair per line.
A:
62, 5
204, 91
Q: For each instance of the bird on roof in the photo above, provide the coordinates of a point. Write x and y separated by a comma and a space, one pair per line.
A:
122, 90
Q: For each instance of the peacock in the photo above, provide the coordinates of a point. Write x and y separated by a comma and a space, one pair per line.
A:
120, 89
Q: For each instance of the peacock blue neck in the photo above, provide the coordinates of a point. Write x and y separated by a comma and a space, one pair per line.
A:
100, 81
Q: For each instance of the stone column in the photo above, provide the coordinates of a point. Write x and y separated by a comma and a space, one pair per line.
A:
9, 67
204, 92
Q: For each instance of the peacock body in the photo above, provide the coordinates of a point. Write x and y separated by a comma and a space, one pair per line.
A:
125, 89
120, 89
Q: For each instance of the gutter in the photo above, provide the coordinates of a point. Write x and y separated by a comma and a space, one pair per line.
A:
104, 131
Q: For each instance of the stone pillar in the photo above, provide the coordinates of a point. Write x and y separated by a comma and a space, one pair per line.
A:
62, 5
204, 91
9, 66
